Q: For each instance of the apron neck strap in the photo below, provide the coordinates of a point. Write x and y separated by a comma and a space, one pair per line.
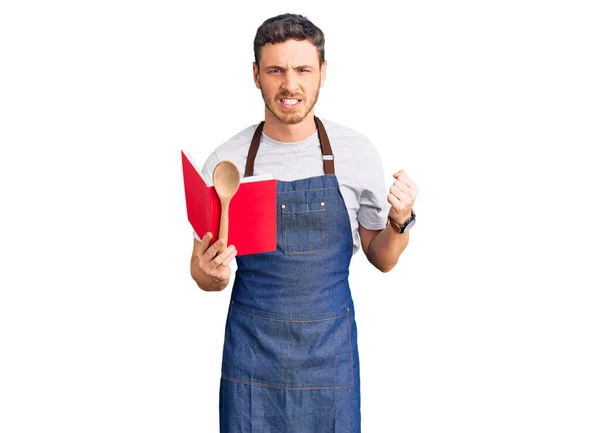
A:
326, 152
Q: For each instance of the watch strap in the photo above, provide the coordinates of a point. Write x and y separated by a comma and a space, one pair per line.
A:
400, 227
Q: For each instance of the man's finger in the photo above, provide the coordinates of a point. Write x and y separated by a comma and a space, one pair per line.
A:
230, 252
215, 248
400, 173
402, 196
402, 176
393, 200
204, 243
229, 259
401, 186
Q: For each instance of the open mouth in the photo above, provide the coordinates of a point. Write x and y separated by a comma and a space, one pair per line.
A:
290, 102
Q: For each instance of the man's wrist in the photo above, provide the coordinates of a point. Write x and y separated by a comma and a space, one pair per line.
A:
401, 220
401, 227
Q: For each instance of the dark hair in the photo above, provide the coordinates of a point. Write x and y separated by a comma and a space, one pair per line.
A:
289, 26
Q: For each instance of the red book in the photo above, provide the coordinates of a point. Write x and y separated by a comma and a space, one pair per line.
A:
252, 210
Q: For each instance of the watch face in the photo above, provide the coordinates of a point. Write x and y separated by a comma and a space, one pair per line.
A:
409, 225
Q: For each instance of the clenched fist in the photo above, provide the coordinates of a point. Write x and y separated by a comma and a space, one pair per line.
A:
403, 193
210, 265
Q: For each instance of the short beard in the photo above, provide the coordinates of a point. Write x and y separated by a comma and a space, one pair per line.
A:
289, 118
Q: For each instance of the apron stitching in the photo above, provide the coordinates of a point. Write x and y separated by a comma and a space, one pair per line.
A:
351, 350
304, 211
289, 357
306, 252
289, 388
302, 190
290, 320
285, 250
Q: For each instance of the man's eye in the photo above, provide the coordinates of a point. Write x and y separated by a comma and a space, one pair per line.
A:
272, 71
304, 70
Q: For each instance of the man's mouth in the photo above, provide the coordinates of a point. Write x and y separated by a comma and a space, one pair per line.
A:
290, 103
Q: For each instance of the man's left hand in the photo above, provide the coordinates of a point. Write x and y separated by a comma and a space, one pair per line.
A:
403, 193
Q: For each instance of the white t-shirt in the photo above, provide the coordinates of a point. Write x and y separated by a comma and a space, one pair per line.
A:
357, 167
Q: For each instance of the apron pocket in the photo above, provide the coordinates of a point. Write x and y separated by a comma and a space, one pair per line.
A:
321, 354
255, 349
288, 354
304, 228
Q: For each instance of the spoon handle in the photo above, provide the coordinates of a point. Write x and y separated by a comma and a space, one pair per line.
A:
223, 228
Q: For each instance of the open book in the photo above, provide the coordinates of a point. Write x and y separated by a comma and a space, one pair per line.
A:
252, 210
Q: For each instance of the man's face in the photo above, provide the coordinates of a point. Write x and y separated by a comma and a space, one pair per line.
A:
289, 79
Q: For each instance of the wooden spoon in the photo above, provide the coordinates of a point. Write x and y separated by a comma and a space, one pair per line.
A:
226, 179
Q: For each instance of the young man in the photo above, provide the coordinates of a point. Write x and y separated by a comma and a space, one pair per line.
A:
290, 358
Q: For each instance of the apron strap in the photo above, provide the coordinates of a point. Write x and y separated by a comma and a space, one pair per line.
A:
253, 150
328, 164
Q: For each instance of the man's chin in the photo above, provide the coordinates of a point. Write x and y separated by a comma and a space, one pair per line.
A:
291, 118
287, 117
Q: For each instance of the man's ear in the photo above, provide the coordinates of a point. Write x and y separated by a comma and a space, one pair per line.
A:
323, 73
255, 75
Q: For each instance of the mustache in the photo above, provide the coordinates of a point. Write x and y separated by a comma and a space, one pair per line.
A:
287, 96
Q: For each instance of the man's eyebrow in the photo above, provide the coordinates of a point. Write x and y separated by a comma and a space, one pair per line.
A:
285, 69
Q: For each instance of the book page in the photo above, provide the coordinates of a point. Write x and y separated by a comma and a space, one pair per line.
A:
256, 178
196, 167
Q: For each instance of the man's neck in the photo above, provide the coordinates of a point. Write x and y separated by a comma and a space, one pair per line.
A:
279, 131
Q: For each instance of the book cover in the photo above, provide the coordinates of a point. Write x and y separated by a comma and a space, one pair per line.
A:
252, 210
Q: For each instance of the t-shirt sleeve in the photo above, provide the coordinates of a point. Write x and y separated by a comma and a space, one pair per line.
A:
206, 172
373, 205
209, 167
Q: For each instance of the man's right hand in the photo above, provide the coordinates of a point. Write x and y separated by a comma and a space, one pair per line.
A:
210, 267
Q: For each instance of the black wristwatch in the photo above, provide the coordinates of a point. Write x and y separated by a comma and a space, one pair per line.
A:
403, 228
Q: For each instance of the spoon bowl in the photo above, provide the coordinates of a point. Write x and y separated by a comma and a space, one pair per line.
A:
226, 179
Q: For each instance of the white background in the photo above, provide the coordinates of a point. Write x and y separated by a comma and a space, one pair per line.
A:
490, 321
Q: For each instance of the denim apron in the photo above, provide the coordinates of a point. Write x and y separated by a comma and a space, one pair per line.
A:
290, 358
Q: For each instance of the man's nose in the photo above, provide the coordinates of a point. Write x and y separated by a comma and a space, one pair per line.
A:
290, 82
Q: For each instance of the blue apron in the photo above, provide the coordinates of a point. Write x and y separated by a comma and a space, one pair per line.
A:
290, 358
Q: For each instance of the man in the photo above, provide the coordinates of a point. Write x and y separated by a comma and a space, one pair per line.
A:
290, 359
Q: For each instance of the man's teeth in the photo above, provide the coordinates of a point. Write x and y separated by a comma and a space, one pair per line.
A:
290, 101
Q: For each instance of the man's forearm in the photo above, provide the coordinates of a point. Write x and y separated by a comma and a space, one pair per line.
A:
386, 247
